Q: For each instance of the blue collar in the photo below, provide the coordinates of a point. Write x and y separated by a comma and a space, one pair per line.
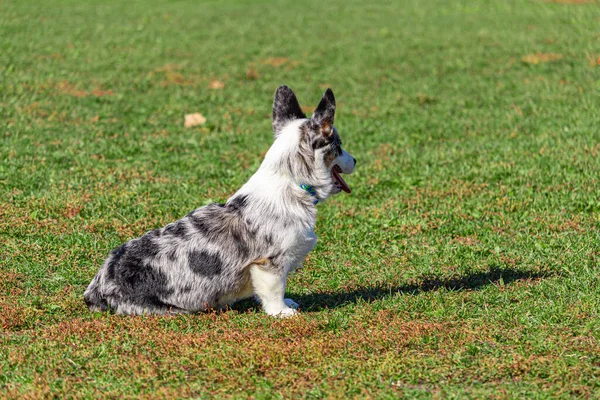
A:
311, 190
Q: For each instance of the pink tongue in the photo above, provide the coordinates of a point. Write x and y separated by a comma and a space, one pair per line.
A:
341, 181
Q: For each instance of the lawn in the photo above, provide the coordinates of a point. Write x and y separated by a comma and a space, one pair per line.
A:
466, 262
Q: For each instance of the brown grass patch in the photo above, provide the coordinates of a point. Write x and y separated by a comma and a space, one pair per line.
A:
12, 217
292, 354
98, 92
71, 210
65, 87
570, 1
168, 68
467, 240
41, 215
169, 75
175, 78
251, 73
11, 284
457, 189
538, 58
35, 111
593, 59
217, 351
277, 62
382, 155
13, 316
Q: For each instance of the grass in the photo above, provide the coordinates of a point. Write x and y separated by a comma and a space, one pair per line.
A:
464, 264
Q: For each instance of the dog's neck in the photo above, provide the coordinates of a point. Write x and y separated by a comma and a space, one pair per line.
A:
276, 197
311, 190
283, 162
276, 186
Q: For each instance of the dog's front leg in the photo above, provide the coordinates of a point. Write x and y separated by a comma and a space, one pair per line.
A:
269, 286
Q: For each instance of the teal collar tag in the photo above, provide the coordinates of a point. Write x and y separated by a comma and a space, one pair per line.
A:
311, 190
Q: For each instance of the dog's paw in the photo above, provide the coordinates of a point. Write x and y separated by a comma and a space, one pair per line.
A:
291, 303
284, 313
287, 312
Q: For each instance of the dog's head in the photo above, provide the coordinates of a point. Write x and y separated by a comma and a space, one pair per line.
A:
310, 149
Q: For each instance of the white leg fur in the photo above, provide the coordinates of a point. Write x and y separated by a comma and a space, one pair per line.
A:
270, 289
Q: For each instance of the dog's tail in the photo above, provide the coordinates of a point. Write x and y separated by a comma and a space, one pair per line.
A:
93, 298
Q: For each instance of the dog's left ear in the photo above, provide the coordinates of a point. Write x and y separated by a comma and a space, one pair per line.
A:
325, 113
285, 108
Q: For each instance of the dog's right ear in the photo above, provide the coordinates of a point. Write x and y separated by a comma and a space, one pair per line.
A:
285, 108
325, 113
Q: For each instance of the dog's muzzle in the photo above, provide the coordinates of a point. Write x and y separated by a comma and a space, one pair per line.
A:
345, 165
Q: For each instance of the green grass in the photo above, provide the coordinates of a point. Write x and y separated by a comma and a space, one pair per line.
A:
464, 264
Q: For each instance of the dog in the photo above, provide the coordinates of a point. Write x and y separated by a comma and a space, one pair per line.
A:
221, 253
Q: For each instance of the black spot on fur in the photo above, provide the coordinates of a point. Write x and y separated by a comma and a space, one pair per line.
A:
178, 229
269, 240
155, 233
240, 243
186, 289
145, 247
200, 223
130, 271
237, 204
320, 142
138, 282
225, 225
116, 255
204, 263
172, 253
252, 230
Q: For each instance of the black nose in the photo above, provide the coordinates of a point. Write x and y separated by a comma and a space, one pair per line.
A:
354, 159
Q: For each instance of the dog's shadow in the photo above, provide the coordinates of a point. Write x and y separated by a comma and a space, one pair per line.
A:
475, 281
428, 283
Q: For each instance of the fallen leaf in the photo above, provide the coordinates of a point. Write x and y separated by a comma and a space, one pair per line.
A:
214, 84
194, 119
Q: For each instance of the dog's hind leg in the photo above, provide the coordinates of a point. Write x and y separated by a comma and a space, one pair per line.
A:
269, 287
245, 292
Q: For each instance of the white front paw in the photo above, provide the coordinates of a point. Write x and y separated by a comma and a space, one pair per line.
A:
291, 303
287, 312
284, 313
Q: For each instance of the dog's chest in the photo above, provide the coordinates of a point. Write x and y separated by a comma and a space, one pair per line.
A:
306, 241
303, 244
